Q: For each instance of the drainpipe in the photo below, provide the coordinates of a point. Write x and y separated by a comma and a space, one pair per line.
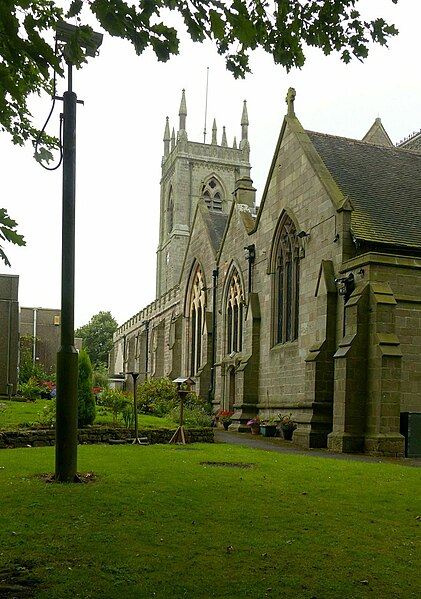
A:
124, 359
211, 393
250, 253
146, 324
190, 192
9, 385
34, 337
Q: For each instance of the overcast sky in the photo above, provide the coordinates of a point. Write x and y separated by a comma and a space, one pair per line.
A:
119, 149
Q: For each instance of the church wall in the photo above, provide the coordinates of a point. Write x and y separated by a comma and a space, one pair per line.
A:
403, 276
405, 282
199, 251
236, 375
130, 354
295, 188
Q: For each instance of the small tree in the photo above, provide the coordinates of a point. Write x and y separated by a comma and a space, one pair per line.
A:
97, 338
86, 399
27, 368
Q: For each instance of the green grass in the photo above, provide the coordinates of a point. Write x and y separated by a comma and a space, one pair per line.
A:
21, 412
158, 523
18, 413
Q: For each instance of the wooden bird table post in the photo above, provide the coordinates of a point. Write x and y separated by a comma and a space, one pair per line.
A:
184, 386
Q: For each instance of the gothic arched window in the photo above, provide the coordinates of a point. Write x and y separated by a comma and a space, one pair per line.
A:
287, 280
213, 194
234, 314
170, 212
197, 313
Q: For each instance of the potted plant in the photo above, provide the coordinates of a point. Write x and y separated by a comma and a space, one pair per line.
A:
269, 427
287, 426
225, 417
254, 424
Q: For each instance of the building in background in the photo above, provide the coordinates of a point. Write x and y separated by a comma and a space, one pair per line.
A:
9, 334
41, 327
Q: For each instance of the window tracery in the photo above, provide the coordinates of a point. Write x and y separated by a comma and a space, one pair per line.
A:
213, 194
234, 314
287, 280
170, 212
197, 309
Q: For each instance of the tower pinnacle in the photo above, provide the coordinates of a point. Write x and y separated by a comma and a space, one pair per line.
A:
183, 111
244, 127
224, 138
167, 138
244, 122
214, 130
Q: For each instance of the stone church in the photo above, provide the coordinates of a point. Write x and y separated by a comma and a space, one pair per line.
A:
310, 304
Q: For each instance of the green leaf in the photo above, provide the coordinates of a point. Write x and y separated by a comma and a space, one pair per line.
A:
75, 8
217, 24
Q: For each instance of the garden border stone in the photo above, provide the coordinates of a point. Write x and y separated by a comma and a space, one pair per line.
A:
98, 434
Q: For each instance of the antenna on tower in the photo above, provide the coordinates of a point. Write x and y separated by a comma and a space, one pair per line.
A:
206, 103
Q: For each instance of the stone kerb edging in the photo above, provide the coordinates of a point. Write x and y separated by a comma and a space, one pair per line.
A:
91, 435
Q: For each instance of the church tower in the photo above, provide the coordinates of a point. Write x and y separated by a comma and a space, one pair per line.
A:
193, 171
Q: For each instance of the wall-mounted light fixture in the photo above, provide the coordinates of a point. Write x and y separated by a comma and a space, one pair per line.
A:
346, 286
250, 252
302, 234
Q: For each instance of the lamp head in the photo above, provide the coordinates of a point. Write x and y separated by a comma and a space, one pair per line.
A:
83, 36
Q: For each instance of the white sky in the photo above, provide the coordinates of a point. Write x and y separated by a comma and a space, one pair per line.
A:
119, 149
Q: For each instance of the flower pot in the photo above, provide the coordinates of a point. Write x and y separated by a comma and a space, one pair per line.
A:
255, 429
226, 425
287, 433
268, 430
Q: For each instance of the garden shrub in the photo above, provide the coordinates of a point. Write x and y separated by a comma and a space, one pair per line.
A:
31, 390
127, 413
86, 399
47, 416
27, 368
100, 376
197, 416
118, 402
157, 396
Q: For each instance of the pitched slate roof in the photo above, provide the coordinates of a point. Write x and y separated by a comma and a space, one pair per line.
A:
383, 185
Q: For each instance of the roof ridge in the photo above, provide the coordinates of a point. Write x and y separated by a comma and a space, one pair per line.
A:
365, 143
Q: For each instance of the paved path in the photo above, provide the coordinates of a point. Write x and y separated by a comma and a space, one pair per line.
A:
281, 446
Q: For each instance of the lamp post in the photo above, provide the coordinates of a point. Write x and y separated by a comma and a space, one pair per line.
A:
67, 357
136, 440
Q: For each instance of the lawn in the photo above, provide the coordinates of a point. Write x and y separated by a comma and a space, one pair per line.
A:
157, 521
26, 413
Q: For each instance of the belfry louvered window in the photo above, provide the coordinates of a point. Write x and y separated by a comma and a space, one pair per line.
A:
170, 212
287, 283
235, 302
197, 308
213, 195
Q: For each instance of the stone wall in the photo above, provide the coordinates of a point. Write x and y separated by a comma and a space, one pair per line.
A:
46, 437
